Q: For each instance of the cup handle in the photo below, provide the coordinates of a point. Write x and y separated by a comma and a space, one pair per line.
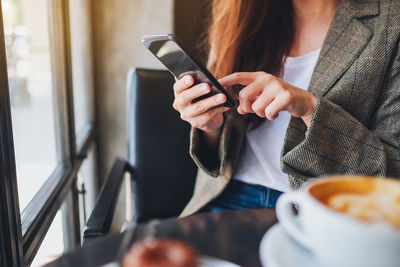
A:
287, 217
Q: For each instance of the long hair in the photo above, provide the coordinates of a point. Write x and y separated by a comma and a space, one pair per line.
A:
250, 35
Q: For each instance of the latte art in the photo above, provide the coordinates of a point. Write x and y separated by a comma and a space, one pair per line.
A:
371, 208
369, 200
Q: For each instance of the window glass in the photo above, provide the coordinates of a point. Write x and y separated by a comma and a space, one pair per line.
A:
31, 91
53, 244
82, 77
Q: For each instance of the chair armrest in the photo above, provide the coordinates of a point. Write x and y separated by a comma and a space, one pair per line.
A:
102, 215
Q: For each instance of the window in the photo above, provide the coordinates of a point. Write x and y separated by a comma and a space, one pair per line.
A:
53, 243
31, 94
46, 126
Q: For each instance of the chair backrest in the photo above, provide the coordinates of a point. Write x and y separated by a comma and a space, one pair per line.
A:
158, 146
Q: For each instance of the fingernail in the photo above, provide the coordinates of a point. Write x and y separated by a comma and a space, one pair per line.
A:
188, 80
204, 88
220, 98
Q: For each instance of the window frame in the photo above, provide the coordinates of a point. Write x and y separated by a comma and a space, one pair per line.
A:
21, 234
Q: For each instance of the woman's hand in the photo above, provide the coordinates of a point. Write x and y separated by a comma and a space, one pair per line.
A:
267, 95
205, 114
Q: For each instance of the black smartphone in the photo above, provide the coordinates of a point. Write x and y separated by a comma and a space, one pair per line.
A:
176, 59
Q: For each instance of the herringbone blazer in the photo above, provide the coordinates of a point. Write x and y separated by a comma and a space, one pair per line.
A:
356, 125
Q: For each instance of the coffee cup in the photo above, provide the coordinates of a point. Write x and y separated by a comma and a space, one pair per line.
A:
346, 221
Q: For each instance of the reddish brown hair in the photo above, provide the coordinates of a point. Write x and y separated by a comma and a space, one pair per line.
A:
250, 35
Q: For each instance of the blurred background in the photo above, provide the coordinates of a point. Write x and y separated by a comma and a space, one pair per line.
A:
103, 40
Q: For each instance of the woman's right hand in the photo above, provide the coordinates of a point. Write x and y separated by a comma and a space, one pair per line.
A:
206, 114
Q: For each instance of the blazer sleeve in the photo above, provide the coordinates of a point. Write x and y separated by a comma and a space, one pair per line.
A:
211, 162
337, 143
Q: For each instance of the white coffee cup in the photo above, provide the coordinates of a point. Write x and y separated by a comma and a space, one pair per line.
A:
336, 238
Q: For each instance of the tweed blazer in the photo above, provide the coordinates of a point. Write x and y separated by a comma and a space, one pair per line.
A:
355, 128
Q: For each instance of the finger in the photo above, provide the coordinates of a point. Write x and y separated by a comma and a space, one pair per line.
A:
187, 96
248, 95
261, 103
203, 120
182, 84
243, 78
240, 110
204, 105
277, 105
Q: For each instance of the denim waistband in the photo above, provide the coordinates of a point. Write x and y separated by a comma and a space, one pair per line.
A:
267, 196
239, 195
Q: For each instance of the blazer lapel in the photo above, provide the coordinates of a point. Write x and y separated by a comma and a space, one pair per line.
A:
346, 39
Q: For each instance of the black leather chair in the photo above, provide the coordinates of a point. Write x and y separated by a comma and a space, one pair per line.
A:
163, 174
100, 219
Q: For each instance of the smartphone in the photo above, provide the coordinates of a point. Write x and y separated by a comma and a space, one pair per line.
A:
176, 59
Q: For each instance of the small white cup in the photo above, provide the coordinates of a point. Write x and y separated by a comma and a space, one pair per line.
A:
335, 238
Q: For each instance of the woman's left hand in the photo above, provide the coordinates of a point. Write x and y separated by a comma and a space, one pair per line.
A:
267, 95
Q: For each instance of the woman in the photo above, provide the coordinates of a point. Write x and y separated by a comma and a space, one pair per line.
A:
330, 69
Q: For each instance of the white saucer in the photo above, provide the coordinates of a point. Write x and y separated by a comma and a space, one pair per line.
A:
205, 261
277, 249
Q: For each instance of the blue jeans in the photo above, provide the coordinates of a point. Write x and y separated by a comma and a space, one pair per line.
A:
239, 196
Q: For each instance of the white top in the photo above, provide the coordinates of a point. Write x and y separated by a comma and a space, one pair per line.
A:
260, 159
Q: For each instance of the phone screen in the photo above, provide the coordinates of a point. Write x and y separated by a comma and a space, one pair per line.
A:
180, 64
172, 56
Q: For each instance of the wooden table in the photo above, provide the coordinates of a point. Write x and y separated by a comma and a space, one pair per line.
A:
230, 235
